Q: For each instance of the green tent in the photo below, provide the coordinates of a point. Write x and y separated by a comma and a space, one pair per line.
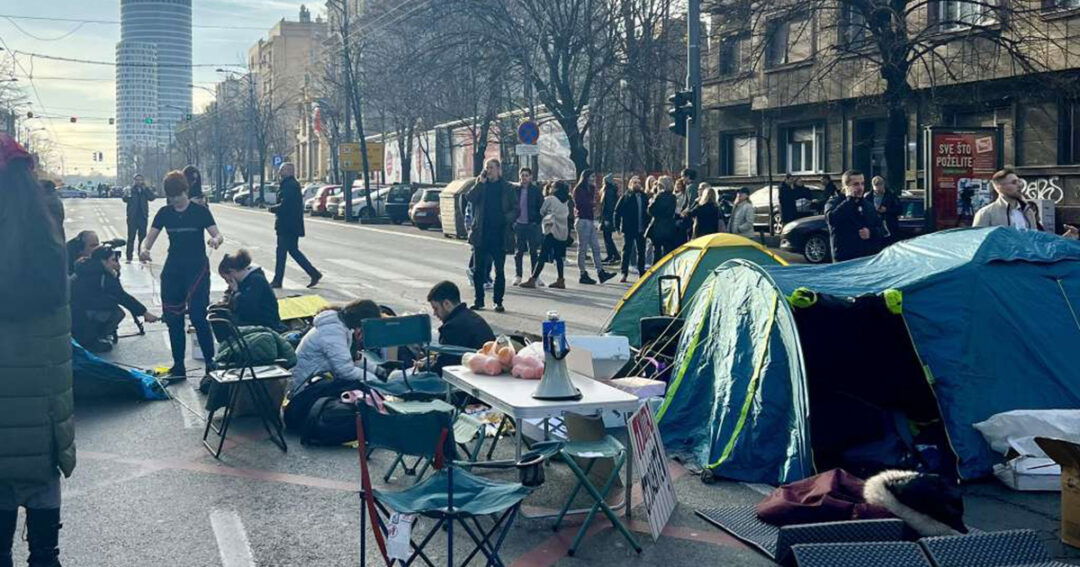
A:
691, 263
784, 372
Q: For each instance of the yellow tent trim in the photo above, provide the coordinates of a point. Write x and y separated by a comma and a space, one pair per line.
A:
301, 307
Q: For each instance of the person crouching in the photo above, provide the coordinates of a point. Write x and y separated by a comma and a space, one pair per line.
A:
96, 300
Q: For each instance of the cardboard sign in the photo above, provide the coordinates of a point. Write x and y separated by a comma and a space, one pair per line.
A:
1067, 455
650, 461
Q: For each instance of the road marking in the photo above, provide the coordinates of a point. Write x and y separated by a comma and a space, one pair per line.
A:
378, 273
185, 394
372, 229
231, 538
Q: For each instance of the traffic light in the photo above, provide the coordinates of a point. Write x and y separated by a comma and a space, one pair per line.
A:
29, 115
112, 121
187, 117
682, 109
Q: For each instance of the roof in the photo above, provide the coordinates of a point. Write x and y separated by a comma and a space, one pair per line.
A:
916, 261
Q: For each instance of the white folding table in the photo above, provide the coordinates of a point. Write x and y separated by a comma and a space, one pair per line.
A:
513, 397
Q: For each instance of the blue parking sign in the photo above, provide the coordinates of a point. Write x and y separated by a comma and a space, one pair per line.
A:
278, 160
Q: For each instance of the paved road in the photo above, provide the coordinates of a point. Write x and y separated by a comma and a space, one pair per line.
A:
146, 493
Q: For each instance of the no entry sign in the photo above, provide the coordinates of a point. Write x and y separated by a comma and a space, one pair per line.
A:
528, 132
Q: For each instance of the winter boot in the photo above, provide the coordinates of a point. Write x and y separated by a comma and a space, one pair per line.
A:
585, 279
559, 284
43, 534
7, 535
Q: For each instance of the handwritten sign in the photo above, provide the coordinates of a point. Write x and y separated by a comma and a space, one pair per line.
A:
650, 461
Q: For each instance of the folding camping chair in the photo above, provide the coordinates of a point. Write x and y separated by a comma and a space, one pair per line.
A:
422, 391
239, 376
452, 496
606, 448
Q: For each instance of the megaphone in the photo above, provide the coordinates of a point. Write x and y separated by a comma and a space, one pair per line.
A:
556, 384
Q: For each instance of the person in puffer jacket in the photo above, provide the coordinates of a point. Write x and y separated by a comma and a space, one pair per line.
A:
37, 428
327, 347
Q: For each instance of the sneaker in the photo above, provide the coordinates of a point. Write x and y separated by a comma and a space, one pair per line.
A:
477, 307
585, 279
499, 308
517, 281
604, 276
315, 280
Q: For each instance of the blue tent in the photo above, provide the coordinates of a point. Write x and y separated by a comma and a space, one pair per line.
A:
782, 372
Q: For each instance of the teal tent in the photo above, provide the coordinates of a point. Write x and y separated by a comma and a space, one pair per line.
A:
785, 372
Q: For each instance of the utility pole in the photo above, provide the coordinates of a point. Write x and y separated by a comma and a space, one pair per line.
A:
693, 82
347, 181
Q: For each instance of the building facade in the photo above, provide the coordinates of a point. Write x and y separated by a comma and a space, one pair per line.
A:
799, 90
153, 77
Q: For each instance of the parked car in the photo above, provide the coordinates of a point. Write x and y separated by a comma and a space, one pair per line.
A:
116, 191
309, 191
270, 194
804, 207
398, 200
360, 208
809, 236
424, 212
318, 203
72, 193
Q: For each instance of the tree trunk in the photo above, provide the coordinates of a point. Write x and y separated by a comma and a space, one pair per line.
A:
579, 154
896, 95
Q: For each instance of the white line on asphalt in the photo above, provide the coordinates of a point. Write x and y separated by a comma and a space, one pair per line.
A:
232, 540
372, 229
378, 273
185, 393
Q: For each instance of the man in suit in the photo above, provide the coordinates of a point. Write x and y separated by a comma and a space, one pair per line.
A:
289, 227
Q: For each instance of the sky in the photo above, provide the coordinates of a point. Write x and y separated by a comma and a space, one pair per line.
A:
87, 92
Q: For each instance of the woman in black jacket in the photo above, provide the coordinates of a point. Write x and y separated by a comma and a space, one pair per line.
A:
706, 213
663, 231
250, 296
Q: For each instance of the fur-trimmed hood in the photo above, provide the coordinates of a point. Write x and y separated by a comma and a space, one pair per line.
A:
929, 504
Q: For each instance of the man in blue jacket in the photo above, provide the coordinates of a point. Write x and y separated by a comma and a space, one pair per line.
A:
855, 228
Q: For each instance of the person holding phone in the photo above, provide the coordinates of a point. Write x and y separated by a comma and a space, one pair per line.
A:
185, 279
494, 211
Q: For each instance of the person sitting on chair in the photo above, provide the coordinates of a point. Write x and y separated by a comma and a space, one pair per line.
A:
96, 298
327, 347
461, 326
249, 297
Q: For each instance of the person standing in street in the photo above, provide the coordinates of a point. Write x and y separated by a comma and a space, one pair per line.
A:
887, 205
194, 179
585, 226
556, 226
662, 230
683, 204
492, 237
37, 431
742, 214
137, 197
289, 226
609, 198
855, 228
650, 194
527, 230
185, 279
631, 218
705, 213
788, 207
1010, 208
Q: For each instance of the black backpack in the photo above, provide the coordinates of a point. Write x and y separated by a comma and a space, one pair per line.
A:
330, 422
301, 403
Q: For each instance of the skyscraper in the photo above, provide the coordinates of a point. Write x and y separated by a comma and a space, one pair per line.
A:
153, 79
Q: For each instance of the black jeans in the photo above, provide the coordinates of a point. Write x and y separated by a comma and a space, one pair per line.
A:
528, 238
485, 259
186, 289
633, 246
136, 229
553, 249
662, 248
609, 242
289, 244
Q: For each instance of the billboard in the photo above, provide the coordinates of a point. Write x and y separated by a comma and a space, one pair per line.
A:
959, 163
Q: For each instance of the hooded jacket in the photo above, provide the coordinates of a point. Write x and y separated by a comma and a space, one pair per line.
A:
254, 302
95, 288
327, 347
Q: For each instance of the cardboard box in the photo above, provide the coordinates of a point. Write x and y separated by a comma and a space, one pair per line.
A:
1027, 473
1067, 455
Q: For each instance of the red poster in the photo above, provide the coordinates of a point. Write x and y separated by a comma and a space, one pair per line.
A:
960, 165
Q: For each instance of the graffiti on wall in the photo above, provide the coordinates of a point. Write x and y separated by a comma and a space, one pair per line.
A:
1043, 188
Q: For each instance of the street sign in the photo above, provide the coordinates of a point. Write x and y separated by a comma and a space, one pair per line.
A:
229, 168
657, 490
278, 160
349, 156
528, 132
375, 152
527, 150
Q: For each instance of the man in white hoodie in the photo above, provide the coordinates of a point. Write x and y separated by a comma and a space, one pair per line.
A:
327, 347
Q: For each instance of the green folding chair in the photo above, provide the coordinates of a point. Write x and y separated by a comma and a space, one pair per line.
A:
593, 451
452, 497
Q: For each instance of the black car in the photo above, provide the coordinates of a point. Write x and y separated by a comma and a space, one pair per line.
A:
809, 236
398, 200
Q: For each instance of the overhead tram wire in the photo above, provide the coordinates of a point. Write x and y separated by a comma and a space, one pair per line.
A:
48, 129
115, 64
39, 38
117, 22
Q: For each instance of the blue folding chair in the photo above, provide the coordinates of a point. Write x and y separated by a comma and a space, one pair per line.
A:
451, 497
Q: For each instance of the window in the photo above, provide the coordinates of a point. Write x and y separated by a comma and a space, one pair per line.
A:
960, 14
853, 28
734, 55
790, 41
805, 149
738, 154
1060, 4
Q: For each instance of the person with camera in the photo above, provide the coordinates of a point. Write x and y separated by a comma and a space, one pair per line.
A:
96, 300
185, 279
138, 198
